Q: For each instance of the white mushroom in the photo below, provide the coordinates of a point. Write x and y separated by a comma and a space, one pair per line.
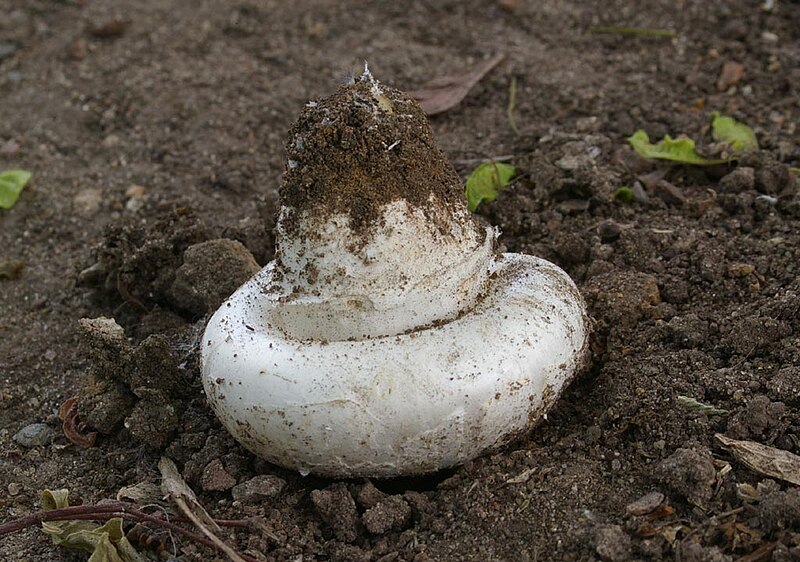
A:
388, 337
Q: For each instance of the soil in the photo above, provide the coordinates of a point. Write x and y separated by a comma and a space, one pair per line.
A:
153, 127
356, 151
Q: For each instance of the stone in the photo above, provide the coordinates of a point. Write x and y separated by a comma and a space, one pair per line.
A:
34, 435
7, 50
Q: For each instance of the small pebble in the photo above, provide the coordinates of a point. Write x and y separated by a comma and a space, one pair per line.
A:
110, 141
769, 37
7, 49
639, 194
646, 504
136, 191
14, 489
77, 49
34, 435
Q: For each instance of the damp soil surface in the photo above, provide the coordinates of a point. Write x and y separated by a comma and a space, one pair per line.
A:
155, 132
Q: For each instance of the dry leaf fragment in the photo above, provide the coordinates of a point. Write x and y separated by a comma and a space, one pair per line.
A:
106, 542
110, 29
731, 73
763, 459
11, 269
73, 427
509, 6
444, 92
144, 493
522, 477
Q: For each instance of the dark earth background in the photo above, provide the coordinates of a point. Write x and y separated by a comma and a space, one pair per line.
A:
149, 136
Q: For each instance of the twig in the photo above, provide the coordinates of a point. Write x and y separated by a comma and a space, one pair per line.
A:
112, 510
218, 543
55, 515
512, 104
636, 31
173, 484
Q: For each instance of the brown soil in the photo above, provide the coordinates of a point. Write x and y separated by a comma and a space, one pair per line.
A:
357, 150
148, 138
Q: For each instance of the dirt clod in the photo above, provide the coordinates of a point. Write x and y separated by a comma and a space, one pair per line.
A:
612, 544
689, 474
390, 514
692, 551
154, 418
369, 496
760, 416
259, 488
622, 299
210, 272
215, 478
780, 510
741, 179
337, 509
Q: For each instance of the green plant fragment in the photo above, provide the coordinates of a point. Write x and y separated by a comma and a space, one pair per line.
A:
680, 150
794, 170
727, 129
624, 194
696, 406
486, 181
106, 543
12, 182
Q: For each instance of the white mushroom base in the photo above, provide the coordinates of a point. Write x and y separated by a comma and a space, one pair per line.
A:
397, 405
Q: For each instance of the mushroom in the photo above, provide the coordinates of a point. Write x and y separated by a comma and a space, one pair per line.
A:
388, 337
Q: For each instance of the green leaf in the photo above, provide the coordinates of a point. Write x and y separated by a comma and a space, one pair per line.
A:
678, 150
729, 130
486, 181
106, 542
12, 183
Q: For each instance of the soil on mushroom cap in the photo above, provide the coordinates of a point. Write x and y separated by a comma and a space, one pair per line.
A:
363, 147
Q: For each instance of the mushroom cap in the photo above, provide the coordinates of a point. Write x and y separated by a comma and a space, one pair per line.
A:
373, 237
403, 404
